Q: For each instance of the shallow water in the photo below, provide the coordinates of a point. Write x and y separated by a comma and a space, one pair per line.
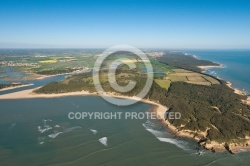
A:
236, 66
39, 132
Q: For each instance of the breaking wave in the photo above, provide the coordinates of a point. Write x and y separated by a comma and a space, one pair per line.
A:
93, 131
42, 130
164, 136
104, 141
54, 135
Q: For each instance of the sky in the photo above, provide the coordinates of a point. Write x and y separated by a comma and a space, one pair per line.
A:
169, 24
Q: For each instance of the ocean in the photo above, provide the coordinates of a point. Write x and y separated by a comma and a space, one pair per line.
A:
236, 65
39, 132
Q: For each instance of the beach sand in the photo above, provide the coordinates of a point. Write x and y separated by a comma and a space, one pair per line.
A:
248, 100
207, 67
26, 94
239, 92
229, 84
48, 76
40, 77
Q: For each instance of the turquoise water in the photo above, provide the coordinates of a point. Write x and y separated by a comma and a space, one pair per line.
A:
39, 132
236, 65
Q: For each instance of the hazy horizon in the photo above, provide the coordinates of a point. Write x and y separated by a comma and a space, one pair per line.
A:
102, 48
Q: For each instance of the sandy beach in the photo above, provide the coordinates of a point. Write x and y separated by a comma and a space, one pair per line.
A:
26, 94
248, 100
239, 92
207, 67
48, 76
229, 84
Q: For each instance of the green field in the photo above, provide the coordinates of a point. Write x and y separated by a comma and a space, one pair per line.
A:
182, 75
163, 83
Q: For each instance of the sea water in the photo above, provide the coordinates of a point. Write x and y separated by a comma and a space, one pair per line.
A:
39, 132
236, 65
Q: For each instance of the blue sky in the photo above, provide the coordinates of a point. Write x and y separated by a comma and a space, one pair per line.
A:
142, 23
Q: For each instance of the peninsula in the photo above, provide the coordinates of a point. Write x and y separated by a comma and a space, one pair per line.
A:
207, 104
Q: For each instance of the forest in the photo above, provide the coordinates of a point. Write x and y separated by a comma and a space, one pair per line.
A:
180, 60
9, 85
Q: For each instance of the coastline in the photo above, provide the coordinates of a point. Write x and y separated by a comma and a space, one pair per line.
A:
232, 147
239, 92
228, 83
48, 76
203, 68
29, 94
198, 136
158, 108
208, 67
14, 87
